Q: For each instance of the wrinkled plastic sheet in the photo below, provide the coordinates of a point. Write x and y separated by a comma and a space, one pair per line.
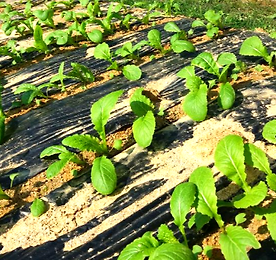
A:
251, 113
31, 133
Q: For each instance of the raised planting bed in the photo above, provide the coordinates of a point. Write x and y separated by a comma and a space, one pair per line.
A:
184, 109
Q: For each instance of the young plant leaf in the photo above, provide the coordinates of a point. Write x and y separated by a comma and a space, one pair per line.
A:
175, 251
256, 157
240, 218
38, 207
271, 181
59, 36
227, 96
103, 175
132, 72
3, 195
253, 46
154, 37
140, 248
179, 46
235, 241
269, 131
102, 51
165, 235
95, 36
83, 143
181, 202
171, 27
38, 36
187, 72
139, 103
226, 58
271, 218
252, 197
229, 159
206, 203
206, 61
55, 168
100, 111
195, 103
52, 150
143, 129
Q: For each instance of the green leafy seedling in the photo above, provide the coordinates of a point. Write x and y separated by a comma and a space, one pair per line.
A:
38, 207
269, 131
144, 125
59, 37
81, 72
39, 43
213, 23
93, 9
60, 77
253, 46
30, 92
12, 177
132, 72
130, 51
154, 40
95, 36
102, 51
103, 174
9, 49
45, 17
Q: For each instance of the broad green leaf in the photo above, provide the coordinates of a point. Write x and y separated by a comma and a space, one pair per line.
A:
235, 241
253, 46
175, 251
102, 51
206, 61
194, 83
271, 219
187, 72
140, 248
54, 149
212, 32
100, 111
179, 46
143, 129
3, 195
252, 197
171, 27
95, 36
132, 72
224, 74
140, 104
226, 58
72, 157
38, 36
181, 202
165, 235
256, 157
271, 181
25, 87
154, 37
38, 207
195, 103
229, 159
199, 220
213, 17
55, 168
103, 175
197, 23
203, 178
240, 218
83, 143
269, 131
60, 36
226, 96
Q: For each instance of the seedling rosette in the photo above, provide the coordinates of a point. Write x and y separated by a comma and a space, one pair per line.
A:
103, 174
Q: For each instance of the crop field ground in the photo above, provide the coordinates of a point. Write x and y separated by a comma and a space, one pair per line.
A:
137, 130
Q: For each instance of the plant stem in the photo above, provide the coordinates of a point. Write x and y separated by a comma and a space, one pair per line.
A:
181, 228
